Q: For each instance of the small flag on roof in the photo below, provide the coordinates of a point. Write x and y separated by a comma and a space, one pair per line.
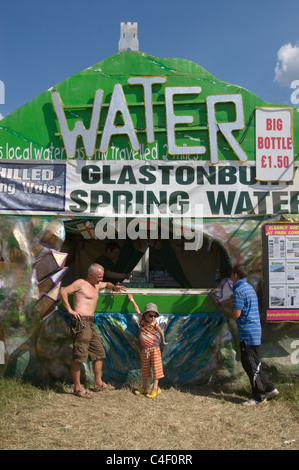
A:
87, 229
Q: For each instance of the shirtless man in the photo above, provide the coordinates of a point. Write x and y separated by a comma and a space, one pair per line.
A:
87, 342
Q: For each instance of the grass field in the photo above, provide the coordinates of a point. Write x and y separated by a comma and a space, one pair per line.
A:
180, 418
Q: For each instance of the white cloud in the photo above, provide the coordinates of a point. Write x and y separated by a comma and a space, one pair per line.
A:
287, 67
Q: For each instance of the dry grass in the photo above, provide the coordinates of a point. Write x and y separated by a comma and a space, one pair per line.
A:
182, 419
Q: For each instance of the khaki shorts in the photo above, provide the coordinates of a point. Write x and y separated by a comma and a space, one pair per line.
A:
87, 344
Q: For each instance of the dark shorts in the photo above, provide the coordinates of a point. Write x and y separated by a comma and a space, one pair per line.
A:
87, 344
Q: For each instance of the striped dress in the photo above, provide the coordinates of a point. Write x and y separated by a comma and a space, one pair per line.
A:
150, 351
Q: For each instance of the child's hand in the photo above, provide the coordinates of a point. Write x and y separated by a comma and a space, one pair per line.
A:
163, 343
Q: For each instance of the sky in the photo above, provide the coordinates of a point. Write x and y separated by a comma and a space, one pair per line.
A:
253, 44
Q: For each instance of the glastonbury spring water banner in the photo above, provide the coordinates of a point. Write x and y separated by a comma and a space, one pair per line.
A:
151, 188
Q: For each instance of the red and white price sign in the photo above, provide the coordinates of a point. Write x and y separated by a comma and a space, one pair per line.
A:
274, 144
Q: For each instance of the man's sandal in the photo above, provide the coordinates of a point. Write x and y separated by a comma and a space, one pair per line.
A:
104, 386
82, 393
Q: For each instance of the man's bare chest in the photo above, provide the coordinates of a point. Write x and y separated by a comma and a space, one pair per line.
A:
88, 293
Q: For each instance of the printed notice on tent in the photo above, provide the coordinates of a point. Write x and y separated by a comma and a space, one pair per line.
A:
274, 144
281, 271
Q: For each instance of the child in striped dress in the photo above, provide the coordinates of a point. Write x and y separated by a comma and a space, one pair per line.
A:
150, 353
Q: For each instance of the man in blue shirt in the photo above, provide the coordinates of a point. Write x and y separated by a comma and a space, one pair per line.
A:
246, 313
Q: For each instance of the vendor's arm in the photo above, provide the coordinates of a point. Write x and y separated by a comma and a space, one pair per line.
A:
117, 276
135, 306
161, 333
110, 286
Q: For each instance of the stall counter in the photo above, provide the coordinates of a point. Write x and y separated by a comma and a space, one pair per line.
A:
168, 301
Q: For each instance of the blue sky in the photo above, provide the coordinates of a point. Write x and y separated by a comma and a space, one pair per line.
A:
254, 44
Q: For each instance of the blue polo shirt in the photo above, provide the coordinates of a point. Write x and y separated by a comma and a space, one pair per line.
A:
249, 325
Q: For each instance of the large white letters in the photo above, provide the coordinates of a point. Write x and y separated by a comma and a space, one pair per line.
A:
172, 120
147, 83
225, 128
118, 105
88, 136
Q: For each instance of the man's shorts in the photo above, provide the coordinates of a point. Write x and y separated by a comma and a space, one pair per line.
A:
87, 344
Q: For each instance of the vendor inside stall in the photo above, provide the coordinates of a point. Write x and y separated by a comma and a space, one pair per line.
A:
148, 263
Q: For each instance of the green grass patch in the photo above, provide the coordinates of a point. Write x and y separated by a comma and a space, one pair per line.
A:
18, 391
